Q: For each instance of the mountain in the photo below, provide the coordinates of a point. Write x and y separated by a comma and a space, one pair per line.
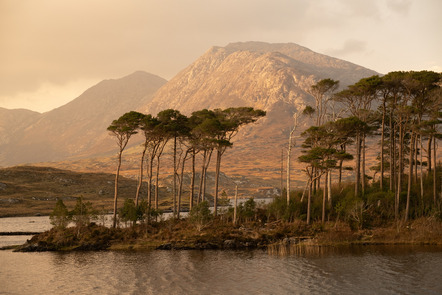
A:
77, 128
251, 74
272, 77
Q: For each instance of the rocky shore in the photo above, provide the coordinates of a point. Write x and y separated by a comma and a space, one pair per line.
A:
182, 235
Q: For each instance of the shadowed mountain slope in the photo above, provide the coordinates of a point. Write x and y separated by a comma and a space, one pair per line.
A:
77, 128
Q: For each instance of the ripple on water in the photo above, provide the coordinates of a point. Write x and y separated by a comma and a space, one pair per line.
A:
221, 272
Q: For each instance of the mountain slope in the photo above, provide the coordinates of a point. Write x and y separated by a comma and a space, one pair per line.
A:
272, 77
79, 127
251, 74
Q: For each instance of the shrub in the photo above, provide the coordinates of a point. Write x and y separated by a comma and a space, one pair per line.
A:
200, 214
60, 216
83, 213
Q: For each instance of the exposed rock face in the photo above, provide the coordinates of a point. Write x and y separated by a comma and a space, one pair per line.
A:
272, 77
251, 74
77, 128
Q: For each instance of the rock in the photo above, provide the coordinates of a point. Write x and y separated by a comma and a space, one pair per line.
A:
229, 244
167, 246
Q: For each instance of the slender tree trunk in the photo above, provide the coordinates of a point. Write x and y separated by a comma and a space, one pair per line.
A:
307, 185
174, 191
205, 174
180, 183
381, 180
358, 165
282, 170
324, 198
421, 176
157, 183
200, 189
309, 201
429, 154
363, 165
329, 187
192, 181
392, 154
117, 174
149, 181
140, 176
416, 151
217, 173
401, 162
435, 171
410, 177
289, 151
236, 204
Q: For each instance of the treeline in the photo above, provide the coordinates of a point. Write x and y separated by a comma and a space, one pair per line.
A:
403, 109
203, 133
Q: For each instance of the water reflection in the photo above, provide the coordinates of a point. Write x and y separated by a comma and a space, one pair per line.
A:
361, 270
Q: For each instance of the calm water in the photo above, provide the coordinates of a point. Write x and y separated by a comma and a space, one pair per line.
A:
355, 270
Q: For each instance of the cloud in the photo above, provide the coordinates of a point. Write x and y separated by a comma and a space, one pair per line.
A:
47, 96
399, 6
349, 47
58, 42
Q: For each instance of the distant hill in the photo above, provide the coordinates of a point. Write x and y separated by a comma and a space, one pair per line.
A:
77, 128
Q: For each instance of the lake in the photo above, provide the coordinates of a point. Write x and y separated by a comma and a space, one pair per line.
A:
345, 270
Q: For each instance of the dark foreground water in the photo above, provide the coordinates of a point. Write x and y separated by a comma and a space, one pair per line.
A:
351, 270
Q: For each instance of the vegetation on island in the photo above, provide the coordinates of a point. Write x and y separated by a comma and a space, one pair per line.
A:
401, 204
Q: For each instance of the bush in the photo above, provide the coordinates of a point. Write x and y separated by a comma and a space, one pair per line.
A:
129, 211
200, 214
83, 213
60, 216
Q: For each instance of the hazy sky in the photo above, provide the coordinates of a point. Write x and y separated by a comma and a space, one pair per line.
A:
52, 50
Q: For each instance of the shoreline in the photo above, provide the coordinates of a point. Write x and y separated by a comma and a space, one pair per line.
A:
182, 235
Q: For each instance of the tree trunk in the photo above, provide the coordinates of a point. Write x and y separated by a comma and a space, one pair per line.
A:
421, 177
217, 172
282, 170
140, 176
157, 183
192, 181
392, 154
149, 182
381, 181
180, 183
363, 165
288, 168
358, 165
329, 188
399, 180
324, 198
309, 201
117, 174
200, 189
416, 150
236, 204
435, 171
429, 154
410, 177
174, 179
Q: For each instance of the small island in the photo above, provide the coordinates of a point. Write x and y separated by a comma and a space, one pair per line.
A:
254, 227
